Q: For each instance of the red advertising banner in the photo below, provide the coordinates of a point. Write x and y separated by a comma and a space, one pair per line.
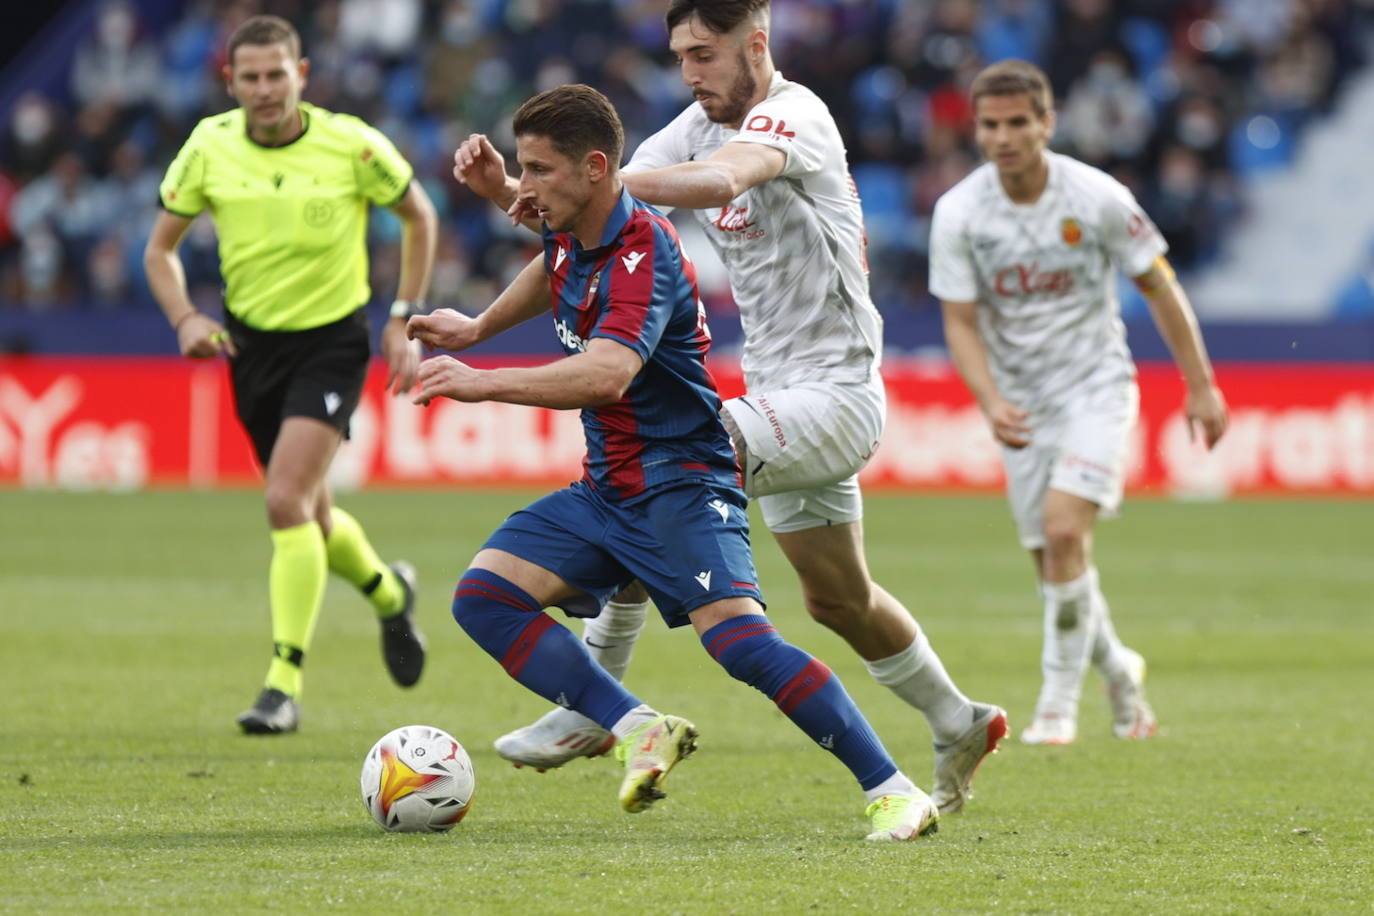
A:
116, 423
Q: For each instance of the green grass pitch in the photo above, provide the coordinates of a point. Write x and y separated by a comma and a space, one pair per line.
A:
134, 628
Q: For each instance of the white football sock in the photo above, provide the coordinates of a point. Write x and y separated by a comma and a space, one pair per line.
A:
611, 635
625, 726
610, 639
917, 676
1108, 654
896, 784
1069, 629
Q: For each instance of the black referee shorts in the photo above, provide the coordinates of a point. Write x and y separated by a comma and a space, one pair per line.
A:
318, 373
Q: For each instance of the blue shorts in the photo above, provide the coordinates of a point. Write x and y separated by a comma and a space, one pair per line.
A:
689, 545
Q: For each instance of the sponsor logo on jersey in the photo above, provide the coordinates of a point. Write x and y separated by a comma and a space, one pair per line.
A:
734, 219
704, 579
720, 506
559, 258
766, 125
1030, 280
568, 337
1071, 231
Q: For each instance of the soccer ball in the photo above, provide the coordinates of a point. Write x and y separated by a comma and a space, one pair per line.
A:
417, 779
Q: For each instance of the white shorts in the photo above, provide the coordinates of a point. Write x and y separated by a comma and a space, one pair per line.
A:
1082, 451
801, 449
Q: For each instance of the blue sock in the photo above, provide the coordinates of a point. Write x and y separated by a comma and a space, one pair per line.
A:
535, 649
804, 689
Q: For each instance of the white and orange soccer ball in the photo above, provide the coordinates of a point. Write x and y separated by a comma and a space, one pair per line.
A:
417, 779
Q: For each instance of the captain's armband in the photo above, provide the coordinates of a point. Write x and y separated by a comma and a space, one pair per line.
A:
1160, 275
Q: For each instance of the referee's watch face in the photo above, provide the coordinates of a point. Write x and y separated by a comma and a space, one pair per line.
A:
267, 82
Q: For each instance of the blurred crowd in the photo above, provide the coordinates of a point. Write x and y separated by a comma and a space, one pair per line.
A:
1179, 100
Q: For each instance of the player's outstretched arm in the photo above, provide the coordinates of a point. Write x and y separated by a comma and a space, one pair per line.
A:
1007, 420
198, 335
446, 329
419, 235
711, 182
1173, 315
600, 375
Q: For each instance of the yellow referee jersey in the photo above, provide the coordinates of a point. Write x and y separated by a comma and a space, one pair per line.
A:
291, 219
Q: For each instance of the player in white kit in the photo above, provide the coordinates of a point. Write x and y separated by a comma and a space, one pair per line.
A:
760, 161
1023, 257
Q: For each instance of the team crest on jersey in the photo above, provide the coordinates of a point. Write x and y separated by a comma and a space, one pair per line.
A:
1071, 231
592, 286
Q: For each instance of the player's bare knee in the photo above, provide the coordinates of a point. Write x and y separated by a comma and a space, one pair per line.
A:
286, 508
1065, 543
839, 613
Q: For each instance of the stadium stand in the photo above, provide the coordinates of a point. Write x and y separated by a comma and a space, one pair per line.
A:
1226, 117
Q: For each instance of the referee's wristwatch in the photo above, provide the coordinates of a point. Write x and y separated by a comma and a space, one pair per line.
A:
404, 308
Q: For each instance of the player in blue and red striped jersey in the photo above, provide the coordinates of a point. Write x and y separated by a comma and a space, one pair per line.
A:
660, 500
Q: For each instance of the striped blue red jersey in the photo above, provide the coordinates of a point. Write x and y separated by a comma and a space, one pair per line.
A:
638, 289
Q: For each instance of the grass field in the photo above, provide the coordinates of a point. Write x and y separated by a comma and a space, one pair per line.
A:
134, 628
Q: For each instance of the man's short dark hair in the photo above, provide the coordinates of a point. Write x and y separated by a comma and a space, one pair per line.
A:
1015, 77
265, 30
576, 119
720, 16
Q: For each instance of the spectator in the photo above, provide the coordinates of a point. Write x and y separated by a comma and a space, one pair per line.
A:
1151, 91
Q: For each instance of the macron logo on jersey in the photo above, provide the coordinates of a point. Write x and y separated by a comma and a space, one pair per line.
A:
559, 258
631, 260
704, 579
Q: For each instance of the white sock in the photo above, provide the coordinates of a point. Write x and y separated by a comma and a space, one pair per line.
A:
1069, 629
610, 639
1109, 655
610, 636
625, 726
896, 784
917, 676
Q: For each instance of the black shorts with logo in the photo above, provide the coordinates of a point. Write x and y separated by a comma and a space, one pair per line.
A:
318, 373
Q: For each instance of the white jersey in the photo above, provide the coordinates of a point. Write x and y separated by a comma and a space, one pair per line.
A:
793, 246
1043, 276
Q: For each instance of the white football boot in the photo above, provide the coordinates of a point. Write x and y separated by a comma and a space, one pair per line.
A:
1132, 717
1050, 727
956, 762
558, 736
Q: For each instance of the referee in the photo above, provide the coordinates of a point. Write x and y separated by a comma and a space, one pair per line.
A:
288, 185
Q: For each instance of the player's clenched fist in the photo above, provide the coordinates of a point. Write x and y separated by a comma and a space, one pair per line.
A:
446, 377
1207, 415
1009, 423
444, 329
200, 337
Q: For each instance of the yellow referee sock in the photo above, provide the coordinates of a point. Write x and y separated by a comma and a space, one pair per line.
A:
352, 557
295, 585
